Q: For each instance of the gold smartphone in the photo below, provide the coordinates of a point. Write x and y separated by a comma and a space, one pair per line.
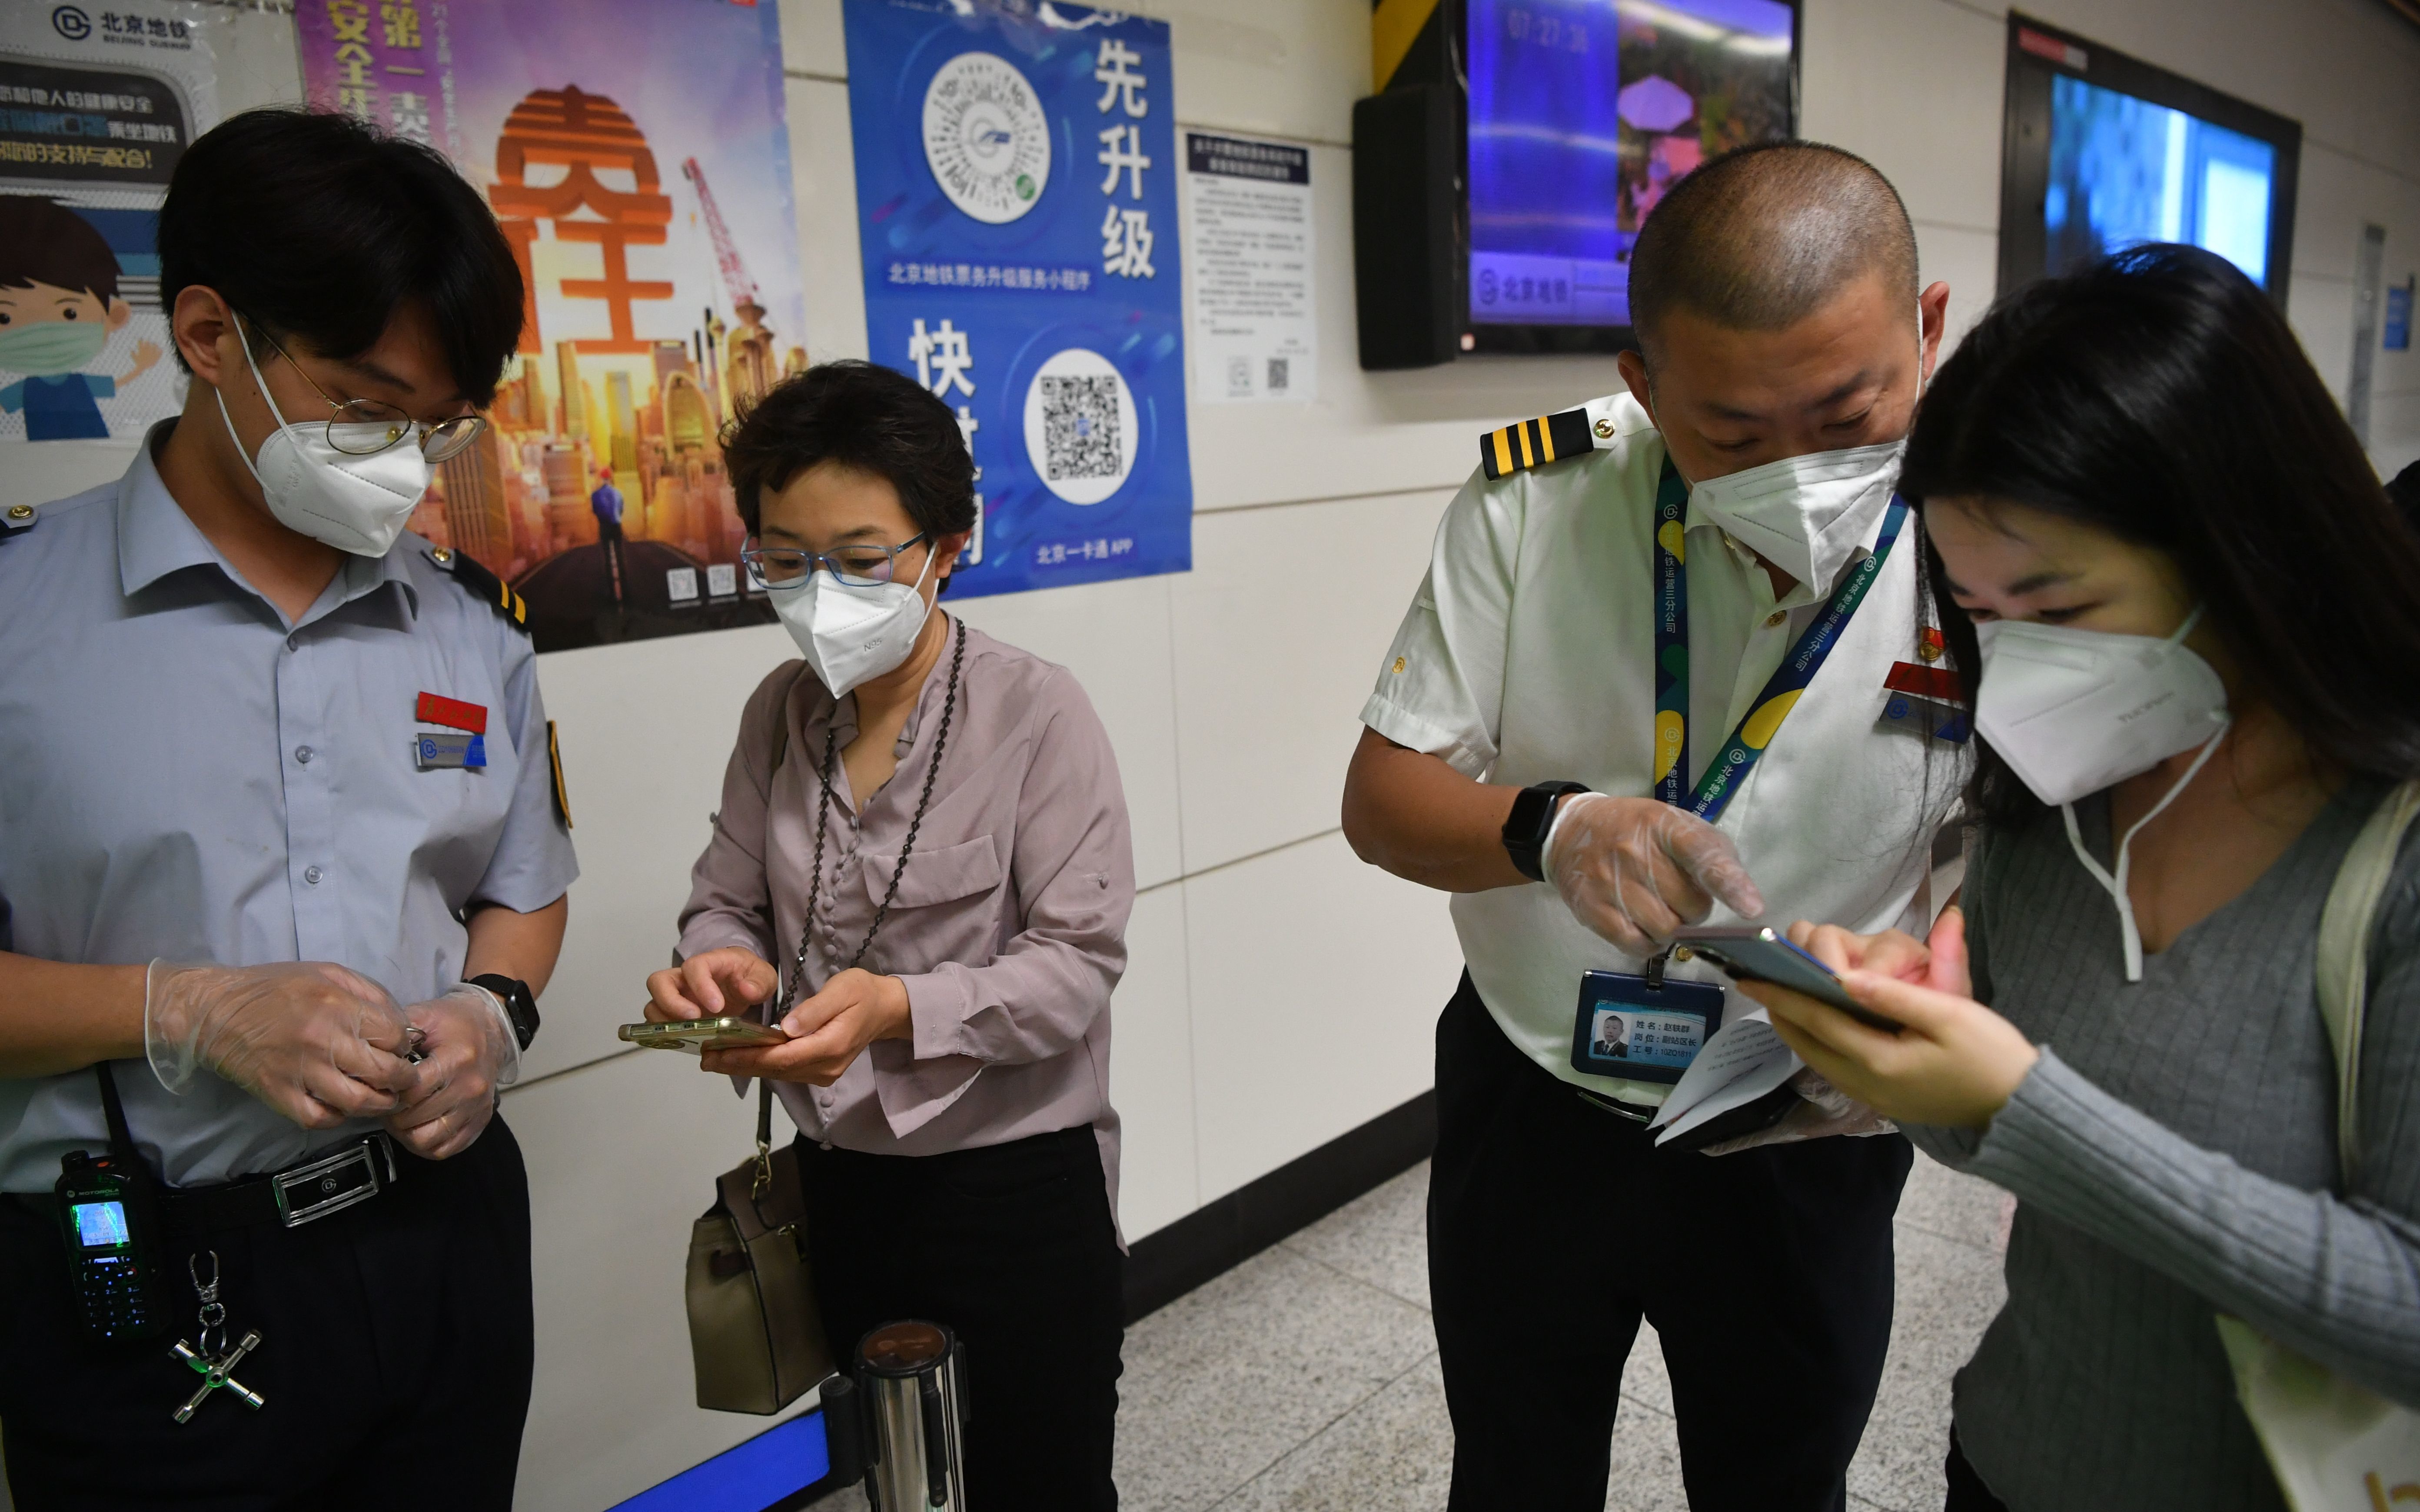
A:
696, 1034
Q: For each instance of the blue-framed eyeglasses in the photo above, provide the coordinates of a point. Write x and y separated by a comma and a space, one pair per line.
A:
777, 567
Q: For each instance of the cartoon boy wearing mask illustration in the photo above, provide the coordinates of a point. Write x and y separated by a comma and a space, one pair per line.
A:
58, 308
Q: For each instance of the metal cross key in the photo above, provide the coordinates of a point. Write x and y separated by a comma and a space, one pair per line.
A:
214, 1374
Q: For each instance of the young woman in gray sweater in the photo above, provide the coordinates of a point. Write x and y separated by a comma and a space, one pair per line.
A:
2189, 644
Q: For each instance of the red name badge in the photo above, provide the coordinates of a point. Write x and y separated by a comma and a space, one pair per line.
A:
453, 712
1907, 677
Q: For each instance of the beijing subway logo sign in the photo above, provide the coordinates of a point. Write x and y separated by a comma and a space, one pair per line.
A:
986, 137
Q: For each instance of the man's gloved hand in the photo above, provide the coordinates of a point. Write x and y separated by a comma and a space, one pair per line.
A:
470, 1052
318, 1042
1635, 870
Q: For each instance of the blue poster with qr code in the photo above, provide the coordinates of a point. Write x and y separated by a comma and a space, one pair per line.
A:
1016, 178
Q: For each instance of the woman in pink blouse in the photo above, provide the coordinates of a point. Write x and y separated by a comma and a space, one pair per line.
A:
921, 870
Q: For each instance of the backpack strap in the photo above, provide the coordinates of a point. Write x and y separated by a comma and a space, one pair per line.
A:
2345, 927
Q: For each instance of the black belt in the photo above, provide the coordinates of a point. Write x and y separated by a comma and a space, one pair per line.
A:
328, 1183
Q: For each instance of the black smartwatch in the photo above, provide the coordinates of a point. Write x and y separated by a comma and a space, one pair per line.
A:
520, 1004
1532, 816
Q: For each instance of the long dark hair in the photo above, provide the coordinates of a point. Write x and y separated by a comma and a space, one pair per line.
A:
2159, 396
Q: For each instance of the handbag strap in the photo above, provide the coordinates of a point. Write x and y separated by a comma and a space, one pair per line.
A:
765, 1088
2345, 926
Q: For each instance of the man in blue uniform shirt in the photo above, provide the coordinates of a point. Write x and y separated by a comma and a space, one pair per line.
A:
282, 862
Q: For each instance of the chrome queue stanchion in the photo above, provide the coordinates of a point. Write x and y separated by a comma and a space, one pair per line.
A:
895, 1421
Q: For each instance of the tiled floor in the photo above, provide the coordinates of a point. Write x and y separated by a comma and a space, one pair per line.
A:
1307, 1377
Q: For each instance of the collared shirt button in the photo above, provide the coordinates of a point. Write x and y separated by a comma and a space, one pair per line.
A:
1774, 619
304, 754
312, 875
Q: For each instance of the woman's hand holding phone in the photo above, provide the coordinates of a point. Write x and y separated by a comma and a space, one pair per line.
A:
709, 984
828, 1031
1955, 1063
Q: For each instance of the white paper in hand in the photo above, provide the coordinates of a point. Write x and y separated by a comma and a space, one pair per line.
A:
1744, 1061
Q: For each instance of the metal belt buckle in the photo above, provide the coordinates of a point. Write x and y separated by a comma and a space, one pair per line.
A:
331, 1185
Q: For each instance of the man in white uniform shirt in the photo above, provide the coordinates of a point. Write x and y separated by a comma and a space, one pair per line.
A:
1687, 600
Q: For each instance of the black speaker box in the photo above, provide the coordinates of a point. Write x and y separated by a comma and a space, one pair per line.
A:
1407, 196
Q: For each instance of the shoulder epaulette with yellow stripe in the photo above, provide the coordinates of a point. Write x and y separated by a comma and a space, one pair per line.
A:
482, 584
1535, 442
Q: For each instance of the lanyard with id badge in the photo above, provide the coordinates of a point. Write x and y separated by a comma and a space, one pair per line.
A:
1649, 1028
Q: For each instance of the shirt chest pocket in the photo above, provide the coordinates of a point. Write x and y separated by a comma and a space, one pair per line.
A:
968, 870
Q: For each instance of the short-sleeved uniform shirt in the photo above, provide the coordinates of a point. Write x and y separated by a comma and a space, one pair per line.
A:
184, 775
1528, 656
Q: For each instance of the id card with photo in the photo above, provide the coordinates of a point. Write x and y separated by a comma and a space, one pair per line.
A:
1629, 1027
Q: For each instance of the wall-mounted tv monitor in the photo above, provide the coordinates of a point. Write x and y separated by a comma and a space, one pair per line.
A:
1581, 114
2101, 151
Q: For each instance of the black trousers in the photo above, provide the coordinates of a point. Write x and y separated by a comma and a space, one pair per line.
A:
394, 1364
1554, 1225
1012, 1246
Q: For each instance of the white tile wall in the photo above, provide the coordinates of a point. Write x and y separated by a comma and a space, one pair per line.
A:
1151, 1069
1316, 986
825, 172
1279, 632
1898, 82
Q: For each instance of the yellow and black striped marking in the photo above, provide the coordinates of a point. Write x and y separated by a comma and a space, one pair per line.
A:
482, 584
1535, 442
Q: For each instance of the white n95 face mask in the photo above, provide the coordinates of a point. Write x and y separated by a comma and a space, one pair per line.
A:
2074, 711
356, 503
1801, 513
852, 635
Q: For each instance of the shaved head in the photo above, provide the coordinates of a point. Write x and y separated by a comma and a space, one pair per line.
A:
1760, 238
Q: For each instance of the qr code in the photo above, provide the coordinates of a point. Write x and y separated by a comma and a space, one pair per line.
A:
1277, 374
1079, 426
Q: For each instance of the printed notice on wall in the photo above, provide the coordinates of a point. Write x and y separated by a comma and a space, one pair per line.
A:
1247, 225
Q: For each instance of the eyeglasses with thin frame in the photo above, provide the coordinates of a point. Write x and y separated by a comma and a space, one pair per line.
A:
780, 568
364, 427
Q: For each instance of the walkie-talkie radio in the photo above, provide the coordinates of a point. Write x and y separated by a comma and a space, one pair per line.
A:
111, 1223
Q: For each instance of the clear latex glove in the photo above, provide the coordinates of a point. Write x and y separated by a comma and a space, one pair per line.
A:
469, 1052
318, 1042
1635, 870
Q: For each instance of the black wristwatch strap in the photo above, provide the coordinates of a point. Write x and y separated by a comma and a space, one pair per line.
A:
1525, 828
520, 1004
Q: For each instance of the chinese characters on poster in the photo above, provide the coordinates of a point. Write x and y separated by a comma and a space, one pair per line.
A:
1016, 213
636, 155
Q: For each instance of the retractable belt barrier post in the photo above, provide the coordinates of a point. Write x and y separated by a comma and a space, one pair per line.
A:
897, 1421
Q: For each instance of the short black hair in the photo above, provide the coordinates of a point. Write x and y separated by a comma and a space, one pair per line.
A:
1763, 236
324, 229
2160, 395
870, 419
42, 241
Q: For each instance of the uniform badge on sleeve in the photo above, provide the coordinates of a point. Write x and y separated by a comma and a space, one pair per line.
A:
1536, 443
562, 794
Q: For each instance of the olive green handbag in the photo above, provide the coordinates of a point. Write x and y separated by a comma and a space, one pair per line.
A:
754, 1333
755, 1336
